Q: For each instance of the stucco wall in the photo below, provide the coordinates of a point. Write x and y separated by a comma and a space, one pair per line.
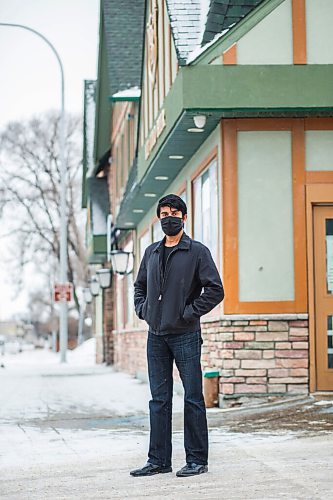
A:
319, 149
319, 18
270, 41
265, 216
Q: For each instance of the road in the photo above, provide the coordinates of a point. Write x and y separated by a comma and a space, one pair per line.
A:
75, 432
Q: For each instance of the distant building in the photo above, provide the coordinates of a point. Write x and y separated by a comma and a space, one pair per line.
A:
230, 105
11, 329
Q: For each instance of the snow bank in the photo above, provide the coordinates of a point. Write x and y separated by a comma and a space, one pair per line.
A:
84, 354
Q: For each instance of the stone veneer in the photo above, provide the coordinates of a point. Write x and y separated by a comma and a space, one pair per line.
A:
256, 356
108, 347
99, 349
130, 351
104, 343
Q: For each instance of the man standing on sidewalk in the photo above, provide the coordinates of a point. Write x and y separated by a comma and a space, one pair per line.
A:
177, 283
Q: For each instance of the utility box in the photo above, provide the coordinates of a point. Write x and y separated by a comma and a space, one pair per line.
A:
211, 388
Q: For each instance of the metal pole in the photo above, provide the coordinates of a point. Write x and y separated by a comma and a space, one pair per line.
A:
63, 187
81, 324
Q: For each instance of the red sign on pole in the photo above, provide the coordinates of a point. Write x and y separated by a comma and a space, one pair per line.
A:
63, 292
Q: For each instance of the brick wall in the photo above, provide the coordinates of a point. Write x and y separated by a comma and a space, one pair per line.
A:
258, 357
108, 346
255, 357
130, 351
99, 349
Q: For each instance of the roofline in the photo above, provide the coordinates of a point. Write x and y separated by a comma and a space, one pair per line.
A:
238, 31
141, 80
124, 99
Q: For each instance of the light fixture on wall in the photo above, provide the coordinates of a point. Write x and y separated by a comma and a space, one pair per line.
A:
161, 177
199, 121
121, 260
94, 286
104, 277
87, 295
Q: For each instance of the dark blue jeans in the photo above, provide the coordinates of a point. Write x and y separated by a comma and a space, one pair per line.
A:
185, 349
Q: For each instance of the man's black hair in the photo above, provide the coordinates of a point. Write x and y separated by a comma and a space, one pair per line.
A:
172, 201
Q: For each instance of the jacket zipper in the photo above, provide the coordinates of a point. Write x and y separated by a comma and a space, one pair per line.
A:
165, 274
162, 285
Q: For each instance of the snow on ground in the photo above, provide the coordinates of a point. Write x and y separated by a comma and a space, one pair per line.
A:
84, 355
34, 384
74, 431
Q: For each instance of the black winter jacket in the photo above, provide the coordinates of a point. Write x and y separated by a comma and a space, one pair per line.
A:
174, 303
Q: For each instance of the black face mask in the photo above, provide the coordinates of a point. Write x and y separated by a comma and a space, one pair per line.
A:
172, 225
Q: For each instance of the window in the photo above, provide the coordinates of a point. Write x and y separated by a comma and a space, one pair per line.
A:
205, 209
158, 234
183, 195
125, 294
144, 242
129, 288
184, 198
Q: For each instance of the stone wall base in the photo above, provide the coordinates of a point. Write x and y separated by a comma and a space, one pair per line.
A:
263, 358
258, 359
130, 351
99, 349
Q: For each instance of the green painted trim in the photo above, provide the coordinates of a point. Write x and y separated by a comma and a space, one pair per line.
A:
97, 248
173, 107
255, 112
243, 91
84, 195
96, 259
99, 242
263, 87
241, 28
124, 99
103, 108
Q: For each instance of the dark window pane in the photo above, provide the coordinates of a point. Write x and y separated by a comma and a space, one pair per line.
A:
329, 342
330, 361
329, 255
329, 227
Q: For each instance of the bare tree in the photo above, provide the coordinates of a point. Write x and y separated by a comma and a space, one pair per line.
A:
30, 194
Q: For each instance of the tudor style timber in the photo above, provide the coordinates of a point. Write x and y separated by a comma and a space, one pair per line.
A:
257, 179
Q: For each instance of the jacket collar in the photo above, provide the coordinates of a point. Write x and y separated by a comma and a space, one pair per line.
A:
184, 243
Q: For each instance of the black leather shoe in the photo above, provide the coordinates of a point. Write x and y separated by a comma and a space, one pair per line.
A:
192, 469
149, 470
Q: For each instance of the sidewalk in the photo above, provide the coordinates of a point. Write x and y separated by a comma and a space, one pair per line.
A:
74, 432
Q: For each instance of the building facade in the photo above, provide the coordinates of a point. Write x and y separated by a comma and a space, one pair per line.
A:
233, 111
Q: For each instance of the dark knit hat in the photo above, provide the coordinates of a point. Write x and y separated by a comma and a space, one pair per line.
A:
174, 201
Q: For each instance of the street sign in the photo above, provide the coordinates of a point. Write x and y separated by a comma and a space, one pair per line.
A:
63, 292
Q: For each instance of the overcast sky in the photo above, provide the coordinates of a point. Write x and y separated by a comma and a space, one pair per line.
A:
30, 78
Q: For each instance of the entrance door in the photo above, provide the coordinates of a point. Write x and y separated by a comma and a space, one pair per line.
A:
323, 255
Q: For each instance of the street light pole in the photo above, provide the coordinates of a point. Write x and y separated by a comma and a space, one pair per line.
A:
63, 323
